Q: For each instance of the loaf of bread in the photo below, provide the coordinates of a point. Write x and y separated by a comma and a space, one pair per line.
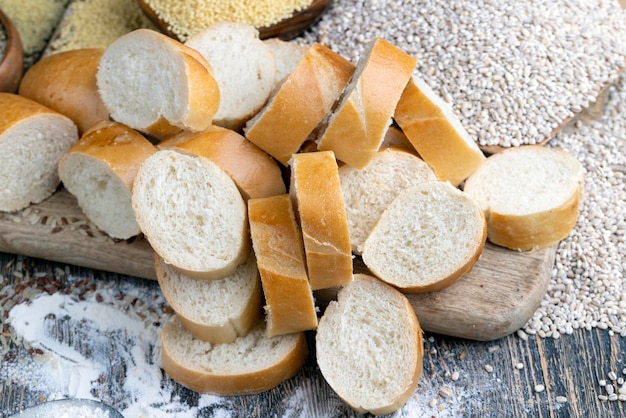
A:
369, 346
287, 55
253, 170
216, 311
437, 133
192, 214
316, 192
66, 82
156, 85
277, 243
244, 68
428, 237
356, 127
33, 138
530, 196
300, 103
251, 364
368, 191
99, 170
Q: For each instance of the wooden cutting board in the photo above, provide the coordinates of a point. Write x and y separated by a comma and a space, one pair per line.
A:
495, 299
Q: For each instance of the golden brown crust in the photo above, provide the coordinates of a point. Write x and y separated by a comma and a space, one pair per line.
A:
66, 82
16, 108
255, 172
203, 91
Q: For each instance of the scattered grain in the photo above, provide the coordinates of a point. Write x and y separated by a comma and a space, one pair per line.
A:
561, 399
455, 376
612, 375
488, 368
519, 366
539, 388
445, 392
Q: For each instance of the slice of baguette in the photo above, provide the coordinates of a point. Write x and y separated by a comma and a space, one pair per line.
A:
157, 85
315, 190
426, 239
216, 311
369, 346
66, 82
355, 129
530, 195
192, 214
300, 103
437, 133
244, 68
253, 170
33, 138
251, 364
99, 170
287, 55
368, 191
277, 243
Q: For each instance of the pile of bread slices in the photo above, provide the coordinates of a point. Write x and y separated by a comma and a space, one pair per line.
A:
258, 170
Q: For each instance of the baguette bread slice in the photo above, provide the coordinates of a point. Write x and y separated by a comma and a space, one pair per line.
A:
368, 191
315, 191
437, 133
530, 196
99, 170
216, 311
300, 103
33, 138
355, 129
428, 237
277, 243
251, 364
253, 170
369, 346
192, 214
157, 85
66, 82
287, 55
244, 68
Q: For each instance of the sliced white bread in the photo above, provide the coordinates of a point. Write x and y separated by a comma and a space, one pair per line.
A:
277, 243
368, 191
369, 346
253, 170
315, 190
427, 238
216, 311
66, 82
300, 103
530, 196
157, 85
394, 137
192, 214
33, 138
436, 132
287, 55
244, 68
99, 170
251, 364
355, 129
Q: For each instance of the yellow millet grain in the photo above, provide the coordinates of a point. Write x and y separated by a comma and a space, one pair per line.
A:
97, 23
186, 18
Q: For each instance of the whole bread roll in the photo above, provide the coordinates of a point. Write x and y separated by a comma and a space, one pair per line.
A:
253, 170
157, 85
530, 196
100, 169
33, 138
66, 82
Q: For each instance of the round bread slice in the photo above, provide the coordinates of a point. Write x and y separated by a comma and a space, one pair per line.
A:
157, 85
251, 364
369, 346
99, 170
368, 191
530, 196
426, 239
216, 311
66, 82
33, 138
192, 214
256, 173
243, 65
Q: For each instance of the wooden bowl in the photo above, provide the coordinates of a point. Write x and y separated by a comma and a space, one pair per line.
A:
12, 61
286, 29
